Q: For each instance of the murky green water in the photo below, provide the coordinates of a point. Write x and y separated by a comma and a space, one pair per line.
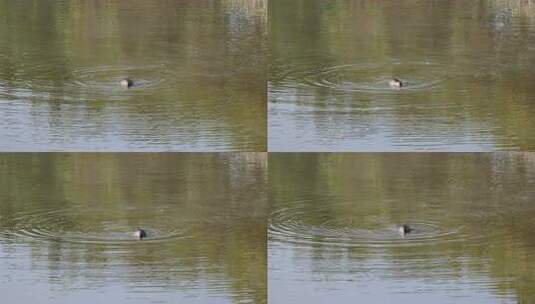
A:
467, 65
333, 230
67, 220
199, 69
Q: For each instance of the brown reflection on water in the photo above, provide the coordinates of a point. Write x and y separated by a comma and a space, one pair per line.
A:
466, 65
66, 225
333, 228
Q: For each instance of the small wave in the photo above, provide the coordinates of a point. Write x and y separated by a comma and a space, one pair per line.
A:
370, 77
104, 80
90, 84
290, 225
82, 225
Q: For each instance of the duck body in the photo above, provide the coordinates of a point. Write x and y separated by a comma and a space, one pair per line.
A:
396, 83
404, 229
126, 83
140, 233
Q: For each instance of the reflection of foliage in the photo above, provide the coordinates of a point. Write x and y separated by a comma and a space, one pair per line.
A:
517, 7
488, 61
220, 199
249, 7
213, 53
489, 195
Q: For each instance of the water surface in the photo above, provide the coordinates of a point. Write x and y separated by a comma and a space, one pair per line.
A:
199, 70
466, 65
67, 222
333, 228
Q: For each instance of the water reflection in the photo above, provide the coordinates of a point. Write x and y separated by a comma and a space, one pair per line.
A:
466, 65
67, 223
62, 62
333, 230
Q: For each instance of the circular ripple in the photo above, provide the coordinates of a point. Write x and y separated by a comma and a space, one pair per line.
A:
105, 79
83, 225
100, 83
373, 78
290, 225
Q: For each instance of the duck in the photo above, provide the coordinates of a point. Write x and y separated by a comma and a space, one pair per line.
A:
404, 229
126, 83
140, 233
396, 83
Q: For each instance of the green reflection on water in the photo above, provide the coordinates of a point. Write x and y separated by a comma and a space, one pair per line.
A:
466, 64
71, 217
200, 68
333, 227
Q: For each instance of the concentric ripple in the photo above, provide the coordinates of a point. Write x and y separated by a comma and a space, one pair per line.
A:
99, 83
291, 225
372, 77
105, 79
84, 225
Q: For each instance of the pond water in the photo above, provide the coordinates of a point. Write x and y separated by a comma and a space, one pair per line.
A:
67, 223
333, 229
199, 69
466, 66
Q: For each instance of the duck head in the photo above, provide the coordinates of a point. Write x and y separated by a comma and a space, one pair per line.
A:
396, 83
140, 233
126, 83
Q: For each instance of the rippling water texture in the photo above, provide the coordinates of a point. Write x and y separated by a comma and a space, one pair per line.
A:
67, 228
333, 232
199, 69
466, 66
